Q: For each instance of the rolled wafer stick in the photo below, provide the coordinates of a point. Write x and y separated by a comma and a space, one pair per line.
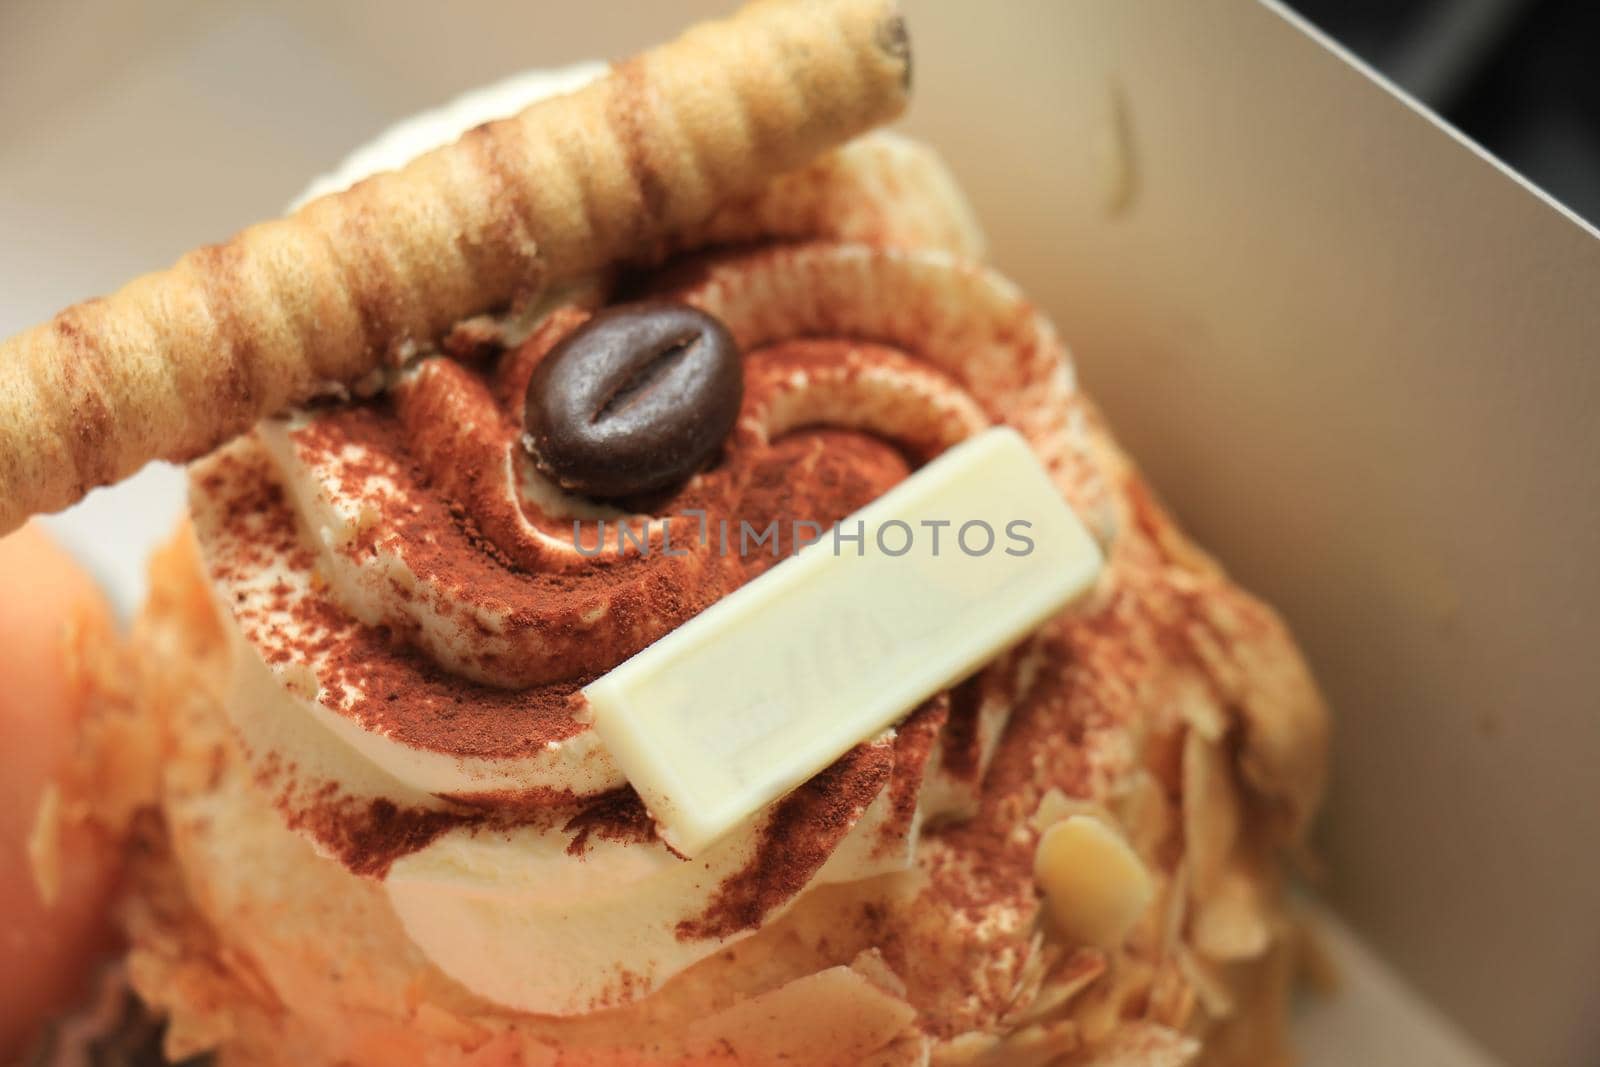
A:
180, 361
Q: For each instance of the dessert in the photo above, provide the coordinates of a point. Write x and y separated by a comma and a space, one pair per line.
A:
391, 829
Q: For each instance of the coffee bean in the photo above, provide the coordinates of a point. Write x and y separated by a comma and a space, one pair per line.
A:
633, 401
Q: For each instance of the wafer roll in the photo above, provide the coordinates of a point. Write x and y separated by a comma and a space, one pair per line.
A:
179, 361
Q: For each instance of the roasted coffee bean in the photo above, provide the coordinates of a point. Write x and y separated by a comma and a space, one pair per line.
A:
633, 401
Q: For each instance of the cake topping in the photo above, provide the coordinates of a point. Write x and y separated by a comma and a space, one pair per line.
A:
1096, 885
766, 687
633, 401
418, 600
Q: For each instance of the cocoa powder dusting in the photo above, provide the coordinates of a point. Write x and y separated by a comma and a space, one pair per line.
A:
379, 677
617, 816
800, 835
367, 836
961, 732
370, 674
427, 461
914, 742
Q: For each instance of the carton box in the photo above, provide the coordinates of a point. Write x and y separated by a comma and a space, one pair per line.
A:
1361, 360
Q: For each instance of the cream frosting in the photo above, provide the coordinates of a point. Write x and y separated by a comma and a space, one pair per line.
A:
401, 551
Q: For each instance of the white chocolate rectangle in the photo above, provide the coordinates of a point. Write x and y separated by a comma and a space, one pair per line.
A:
774, 682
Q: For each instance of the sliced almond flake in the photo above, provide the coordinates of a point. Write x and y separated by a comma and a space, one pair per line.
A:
1030, 976
1147, 814
1176, 910
1145, 1045
1055, 806
1172, 998
1138, 988
1080, 970
1200, 709
1252, 661
1257, 1031
1232, 923
1209, 983
832, 1016
1036, 1045
972, 1047
1211, 816
871, 965
1101, 1012
1097, 887
244, 970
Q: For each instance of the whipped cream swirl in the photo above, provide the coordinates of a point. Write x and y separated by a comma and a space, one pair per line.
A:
416, 608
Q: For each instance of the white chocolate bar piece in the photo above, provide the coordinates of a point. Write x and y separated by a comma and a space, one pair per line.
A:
768, 686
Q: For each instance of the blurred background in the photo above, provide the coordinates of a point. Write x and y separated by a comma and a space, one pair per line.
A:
256, 95
1520, 77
